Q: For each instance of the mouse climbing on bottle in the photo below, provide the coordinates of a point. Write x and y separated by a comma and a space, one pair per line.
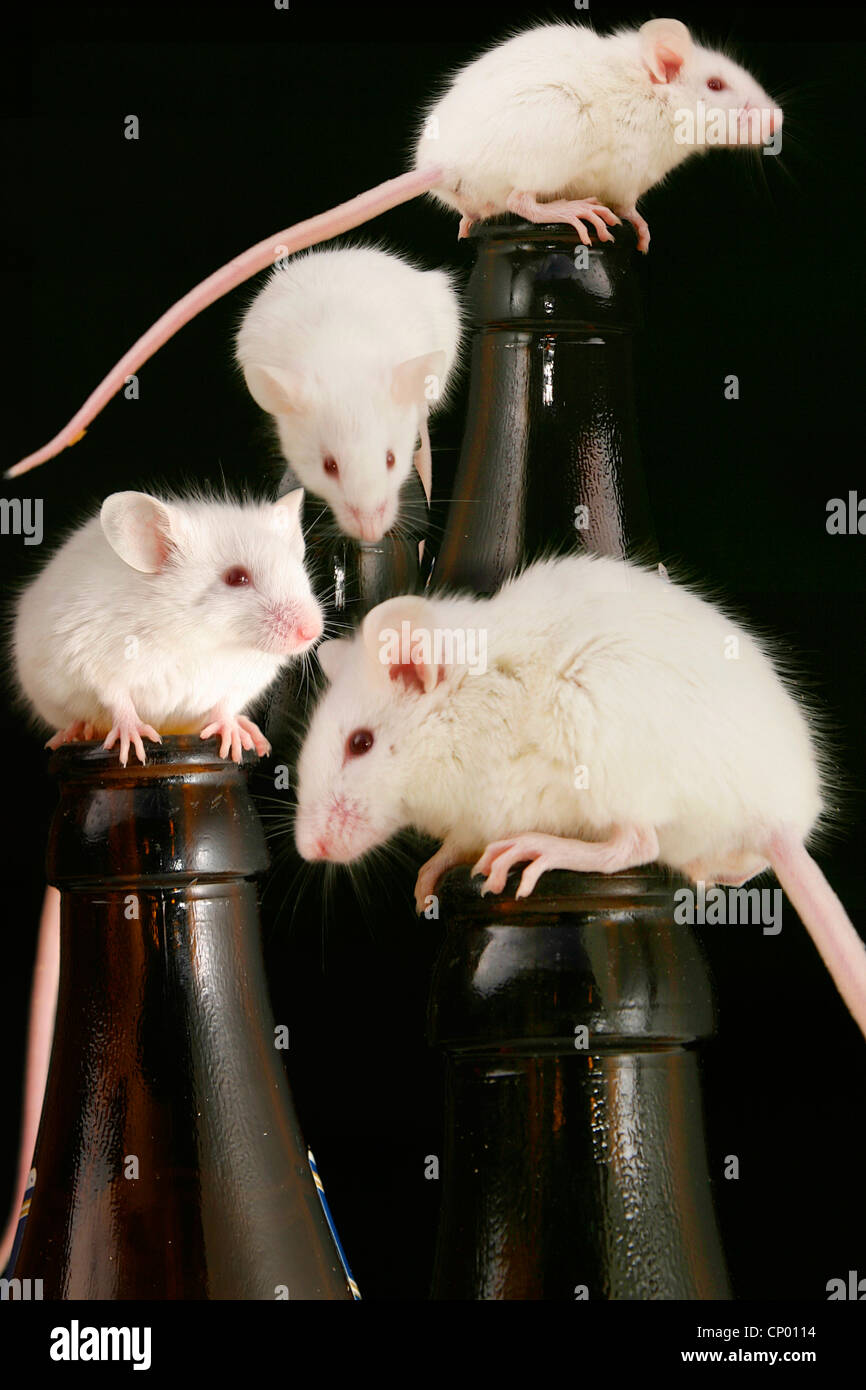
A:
592, 716
557, 124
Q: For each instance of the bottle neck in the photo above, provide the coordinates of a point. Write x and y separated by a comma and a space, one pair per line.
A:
169, 1161
550, 461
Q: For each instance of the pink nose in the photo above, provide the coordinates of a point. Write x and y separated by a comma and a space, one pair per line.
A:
369, 523
289, 627
309, 628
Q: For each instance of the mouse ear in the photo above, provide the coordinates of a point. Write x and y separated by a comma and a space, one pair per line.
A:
286, 511
139, 529
400, 636
418, 378
665, 44
276, 391
332, 656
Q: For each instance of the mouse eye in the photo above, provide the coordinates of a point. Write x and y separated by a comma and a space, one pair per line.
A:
716, 84
236, 576
361, 741
389, 458
330, 465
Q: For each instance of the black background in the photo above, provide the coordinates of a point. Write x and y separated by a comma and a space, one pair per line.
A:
253, 118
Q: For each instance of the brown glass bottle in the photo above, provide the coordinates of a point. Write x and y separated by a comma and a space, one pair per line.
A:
169, 1160
575, 1165
569, 1171
550, 460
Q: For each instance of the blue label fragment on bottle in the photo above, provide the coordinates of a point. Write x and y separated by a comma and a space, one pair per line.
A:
320, 1188
22, 1221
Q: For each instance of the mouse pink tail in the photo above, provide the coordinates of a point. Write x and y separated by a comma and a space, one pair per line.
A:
43, 1003
304, 234
825, 918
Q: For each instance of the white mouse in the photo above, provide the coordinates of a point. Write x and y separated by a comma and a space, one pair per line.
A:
349, 350
592, 716
165, 615
561, 124
558, 124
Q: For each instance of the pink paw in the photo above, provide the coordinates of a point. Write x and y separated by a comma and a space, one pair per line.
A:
641, 226
502, 855
79, 731
130, 730
236, 733
574, 212
627, 848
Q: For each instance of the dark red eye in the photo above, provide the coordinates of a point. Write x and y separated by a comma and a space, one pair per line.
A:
389, 458
331, 466
361, 741
716, 84
237, 575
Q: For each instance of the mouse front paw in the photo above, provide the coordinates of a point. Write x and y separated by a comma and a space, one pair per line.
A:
130, 730
446, 857
79, 732
236, 732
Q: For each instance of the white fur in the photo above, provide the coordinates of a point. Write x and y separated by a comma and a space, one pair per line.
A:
338, 323
560, 111
591, 662
92, 632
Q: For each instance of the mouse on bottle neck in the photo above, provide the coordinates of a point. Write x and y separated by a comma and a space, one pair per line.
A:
589, 717
557, 124
170, 612
563, 124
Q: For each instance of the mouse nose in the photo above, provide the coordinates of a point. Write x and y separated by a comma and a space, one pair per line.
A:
289, 626
369, 523
310, 627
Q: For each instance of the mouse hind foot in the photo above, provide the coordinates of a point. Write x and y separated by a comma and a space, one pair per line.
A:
627, 848
640, 225
236, 732
571, 211
468, 218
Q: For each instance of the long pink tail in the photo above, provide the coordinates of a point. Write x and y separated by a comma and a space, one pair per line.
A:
321, 228
43, 1003
826, 920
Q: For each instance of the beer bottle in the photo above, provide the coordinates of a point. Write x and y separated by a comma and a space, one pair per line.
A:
575, 1162
169, 1161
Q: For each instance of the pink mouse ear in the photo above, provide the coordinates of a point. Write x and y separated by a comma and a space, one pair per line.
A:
286, 511
277, 391
419, 379
665, 44
332, 656
139, 529
400, 638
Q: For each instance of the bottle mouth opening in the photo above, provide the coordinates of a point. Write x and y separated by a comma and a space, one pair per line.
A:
564, 892
177, 751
